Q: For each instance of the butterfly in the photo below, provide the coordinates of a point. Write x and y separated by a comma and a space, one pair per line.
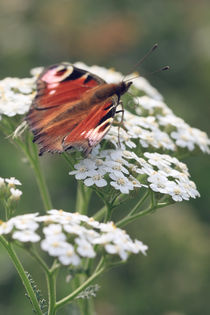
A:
73, 108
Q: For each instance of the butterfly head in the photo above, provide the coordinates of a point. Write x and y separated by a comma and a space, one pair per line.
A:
123, 87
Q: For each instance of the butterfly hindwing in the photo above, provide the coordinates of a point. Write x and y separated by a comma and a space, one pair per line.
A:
93, 128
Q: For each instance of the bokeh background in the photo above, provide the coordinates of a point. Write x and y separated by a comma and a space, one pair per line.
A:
174, 279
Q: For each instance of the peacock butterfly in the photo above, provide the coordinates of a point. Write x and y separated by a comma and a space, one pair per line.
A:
72, 108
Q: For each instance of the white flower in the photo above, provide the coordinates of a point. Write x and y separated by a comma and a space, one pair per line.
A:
96, 179
121, 183
183, 139
129, 155
159, 182
178, 192
201, 140
135, 182
2, 183
118, 242
117, 156
151, 105
84, 169
35, 72
25, 222
85, 249
6, 227
146, 168
26, 236
116, 249
74, 229
140, 247
15, 193
54, 246
54, 230
115, 168
69, 256
16, 96
143, 85
157, 159
69, 241
12, 181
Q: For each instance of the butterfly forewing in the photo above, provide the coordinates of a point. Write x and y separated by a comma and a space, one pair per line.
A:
60, 84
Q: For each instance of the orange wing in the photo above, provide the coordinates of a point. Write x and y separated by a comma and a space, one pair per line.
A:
61, 118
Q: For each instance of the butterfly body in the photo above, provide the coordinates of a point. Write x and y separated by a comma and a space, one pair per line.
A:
72, 108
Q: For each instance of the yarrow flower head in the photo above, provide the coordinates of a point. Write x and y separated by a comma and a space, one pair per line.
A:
8, 188
125, 171
71, 236
16, 96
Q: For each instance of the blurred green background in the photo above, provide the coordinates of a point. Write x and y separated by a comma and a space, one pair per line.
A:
174, 279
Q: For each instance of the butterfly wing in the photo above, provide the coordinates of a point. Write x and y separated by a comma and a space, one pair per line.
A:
93, 128
60, 118
61, 84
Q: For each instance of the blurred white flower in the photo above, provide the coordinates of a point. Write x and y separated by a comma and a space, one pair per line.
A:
12, 181
6, 227
25, 222
69, 256
15, 193
16, 95
26, 236
2, 182
85, 249
54, 230
71, 241
55, 246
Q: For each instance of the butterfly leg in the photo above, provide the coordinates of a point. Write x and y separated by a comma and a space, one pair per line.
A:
120, 124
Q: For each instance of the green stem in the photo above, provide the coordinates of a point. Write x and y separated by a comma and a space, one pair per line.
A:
129, 219
71, 296
35, 164
80, 198
139, 203
22, 275
39, 260
108, 212
89, 307
42, 187
67, 158
51, 285
83, 198
100, 214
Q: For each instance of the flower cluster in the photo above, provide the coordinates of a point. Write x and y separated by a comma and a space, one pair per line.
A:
16, 96
125, 171
164, 128
8, 188
71, 236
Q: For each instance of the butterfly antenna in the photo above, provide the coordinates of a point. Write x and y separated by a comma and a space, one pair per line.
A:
143, 58
161, 69
156, 71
